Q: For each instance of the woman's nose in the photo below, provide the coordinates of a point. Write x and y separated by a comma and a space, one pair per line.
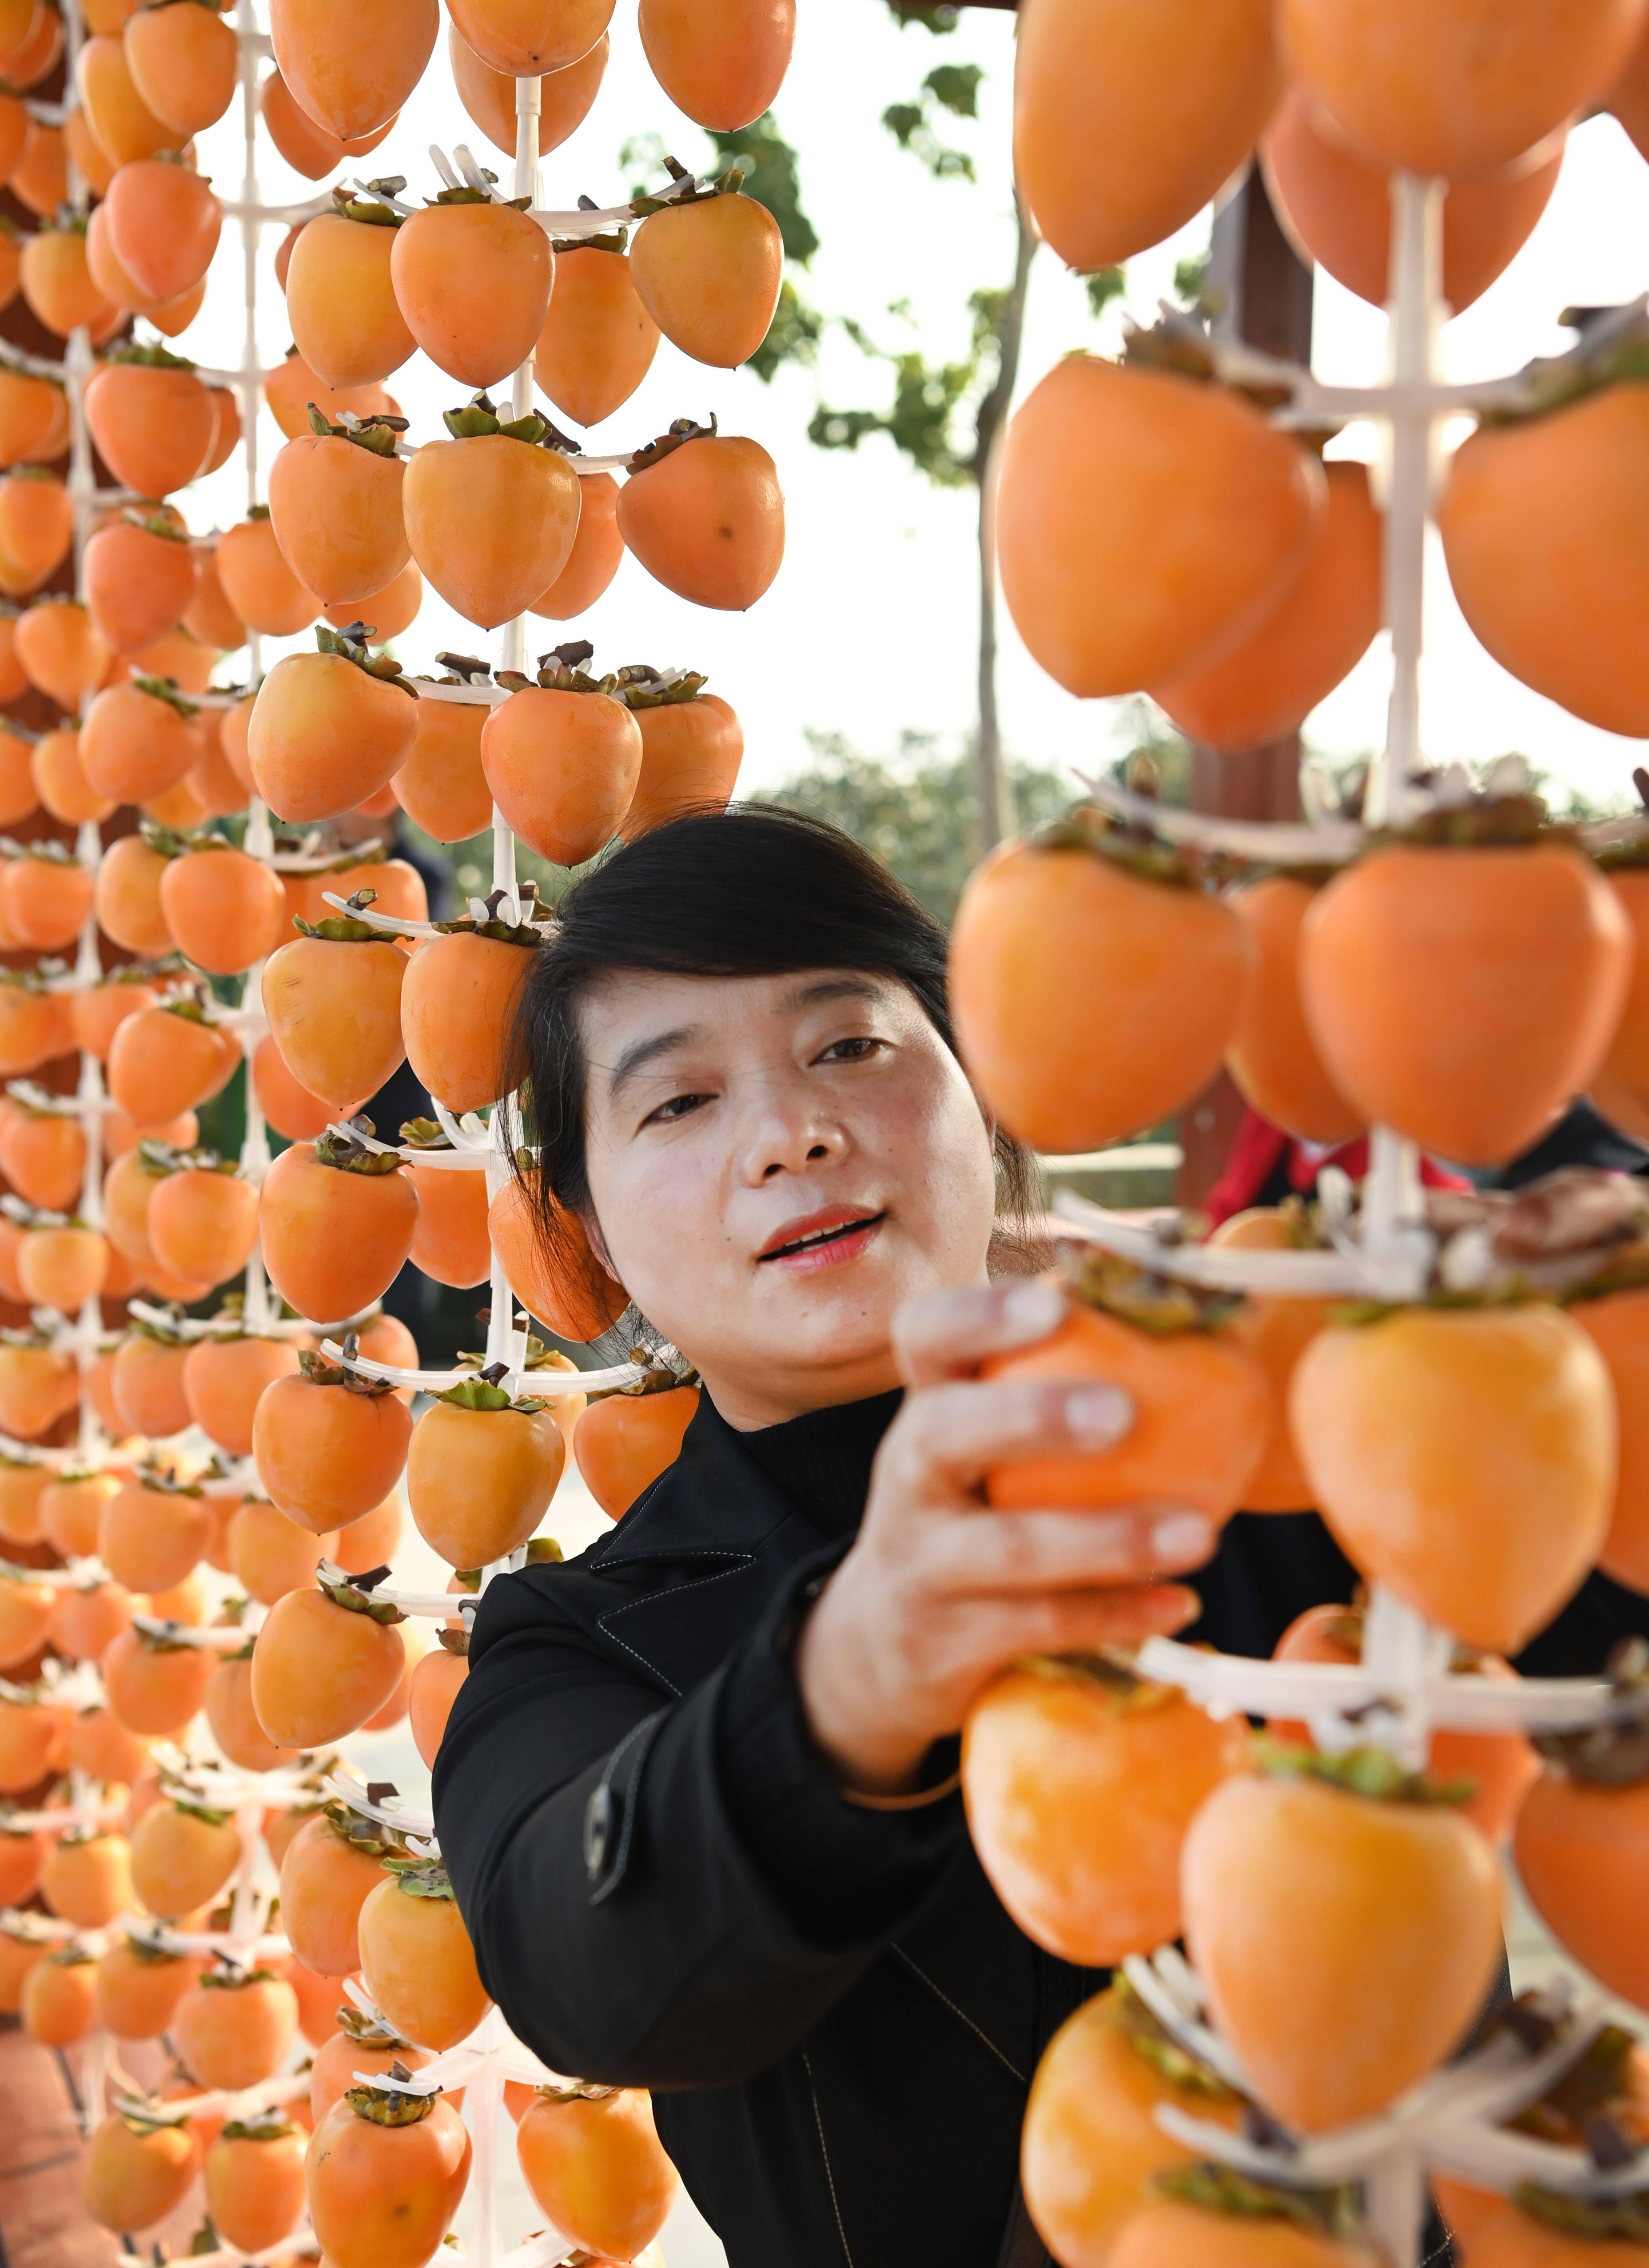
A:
787, 1142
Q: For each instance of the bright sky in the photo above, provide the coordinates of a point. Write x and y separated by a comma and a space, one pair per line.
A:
869, 630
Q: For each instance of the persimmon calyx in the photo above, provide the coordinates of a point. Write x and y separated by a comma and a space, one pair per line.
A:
1113, 1673
266, 2126
420, 1878
367, 1836
531, 930
543, 1551
142, 2120
165, 689
152, 357
1612, 349
1596, 2219
49, 853
350, 644
424, 1134
688, 190
1615, 1752
1220, 2189
641, 686
388, 2106
365, 2031
483, 1392
1156, 1305
462, 193
453, 1642
1368, 1771
463, 669
156, 523
347, 1153
229, 1978
577, 2090
354, 1594
479, 417
658, 1377
160, 1480
375, 211
1148, 856
683, 431
166, 1640
319, 1371
345, 929
378, 432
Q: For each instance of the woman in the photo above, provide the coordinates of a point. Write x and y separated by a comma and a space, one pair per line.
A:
698, 1796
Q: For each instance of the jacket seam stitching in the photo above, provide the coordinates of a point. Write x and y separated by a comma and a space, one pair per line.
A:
962, 2016
824, 2153
611, 1615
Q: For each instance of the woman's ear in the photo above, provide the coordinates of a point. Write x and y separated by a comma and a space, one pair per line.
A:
597, 1243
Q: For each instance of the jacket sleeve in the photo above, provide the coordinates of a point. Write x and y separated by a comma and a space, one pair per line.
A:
661, 1893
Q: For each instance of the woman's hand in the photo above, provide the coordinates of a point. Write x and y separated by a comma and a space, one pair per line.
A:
940, 1593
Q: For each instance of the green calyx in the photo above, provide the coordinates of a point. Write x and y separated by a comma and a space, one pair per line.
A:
354, 1600
728, 184
1156, 1305
268, 2125
377, 433
364, 2032
465, 195
531, 932
151, 1956
1151, 2040
1331, 2213
479, 417
362, 1835
230, 1979
343, 929
347, 1154
657, 1378
1147, 857
542, 1551
351, 645
388, 2106
683, 431
144, 2120
424, 1134
48, 853
153, 356
159, 1642
642, 687
560, 671
315, 1366
1597, 2220
1129, 1692
156, 523
164, 1334
160, 1480
420, 1878
164, 688
484, 1393
1370, 1773
370, 208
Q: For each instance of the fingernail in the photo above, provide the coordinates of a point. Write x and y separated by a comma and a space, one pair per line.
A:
1034, 1308
1099, 1414
1181, 1539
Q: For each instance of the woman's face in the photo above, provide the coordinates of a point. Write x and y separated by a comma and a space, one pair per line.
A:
775, 1164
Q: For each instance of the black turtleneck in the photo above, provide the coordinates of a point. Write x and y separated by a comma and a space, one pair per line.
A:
821, 1462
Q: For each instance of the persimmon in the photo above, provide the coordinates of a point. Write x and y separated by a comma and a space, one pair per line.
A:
704, 514
291, 389
222, 1380
163, 222
340, 297
28, 1023
594, 2162
32, 1734
329, 728
472, 278
456, 1004
441, 785
523, 39
185, 63
286, 1103
88, 1619
269, 1554
23, 1854
25, 1614
40, 52
13, 677
148, 1383
113, 280
1273, 1055
11, 1235
563, 758
127, 900
1316, 1912
358, 2045
258, 582
1069, 1063
214, 780
450, 1242
352, 72
436, 1681
1462, 88
308, 147
707, 270
397, 887
480, 1472
138, 739
225, 909
1464, 1457
338, 1222
1615, 1323
598, 339
36, 527
121, 124
372, 1540
57, 283
46, 899
203, 1223
98, 1744
576, 1302
490, 514
164, 1060
139, 571
1581, 1848
20, 1950
1536, 2228
1567, 483
27, 415
1277, 1332
62, 1267
183, 1854
1499, 1766
331, 1867
388, 612
14, 125
87, 1880
208, 614
1201, 2231
254, 2181
565, 96
416, 1960
155, 1684
384, 2173
23, 1483
598, 549
234, 1721
179, 657
137, 2170
83, 150
233, 724
1335, 206
151, 417
38, 1385
235, 2027
321, 1667
1465, 994
43, 1155
129, 1190
57, 647
334, 506
153, 1531
625, 1440
1318, 633
70, 1505
1146, 522
138, 1987
59, 1997
723, 64
1053, 1754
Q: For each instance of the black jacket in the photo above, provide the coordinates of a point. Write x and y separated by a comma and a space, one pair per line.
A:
664, 1889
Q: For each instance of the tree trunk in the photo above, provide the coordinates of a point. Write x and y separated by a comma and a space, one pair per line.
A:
995, 787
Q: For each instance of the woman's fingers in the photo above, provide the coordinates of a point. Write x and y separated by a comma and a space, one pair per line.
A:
991, 1635
949, 1334
945, 1439
996, 1553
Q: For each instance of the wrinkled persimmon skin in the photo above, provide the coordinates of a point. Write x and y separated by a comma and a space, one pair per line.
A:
1203, 1412
327, 1456
598, 339
1543, 535
690, 754
1465, 996
130, 2181
341, 302
222, 1380
153, 1693
1273, 1055
709, 273
623, 1442
1091, 2143
708, 522
418, 1963
1051, 1759
1458, 89
335, 1013
1127, 122
181, 1860
234, 2037
324, 1881
479, 1481
450, 1243
721, 62
441, 786
334, 1242
1582, 1855
319, 1671
598, 2169
492, 522
1090, 1002
1466, 1459
473, 282
382, 2197
563, 768
1276, 1332
456, 1005
352, 70
154, 428
335, 510
1304, 1906
324, 736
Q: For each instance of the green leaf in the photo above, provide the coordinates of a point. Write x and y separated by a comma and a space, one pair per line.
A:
1103, 285
955, 86
773, 179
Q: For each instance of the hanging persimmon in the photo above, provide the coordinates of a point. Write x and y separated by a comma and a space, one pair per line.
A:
308, 147
1613, 1311
63, 1267
386, 2172
121, 122
138, 739
456, 1006
254, 2170
491, 514
152, 420
597, 549
334, 506
258, 582
138, 1988
225, 909
707, 268
340, 295
46, 896
623, 1441
165, 1060
565, 96
338, 1219
441, 786
139, 570
36, 528
127, 899
387, 613
691, 748
293, 386
563, 1284
351, 71
58, 284
562, 757
137, 2169
451, 1243
704, 514
330, 728
333, 1000
155, 1684
481, 1470
598, 339
1273, 1055
472, 277
184, 60
721, 60
235, 2027
323, 1661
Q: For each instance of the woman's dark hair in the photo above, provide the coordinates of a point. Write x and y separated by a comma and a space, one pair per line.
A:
753, 891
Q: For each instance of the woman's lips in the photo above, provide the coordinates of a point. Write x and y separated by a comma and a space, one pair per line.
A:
828, 1240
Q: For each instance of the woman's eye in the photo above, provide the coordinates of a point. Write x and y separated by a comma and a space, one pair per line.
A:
678, 1107
854, 1051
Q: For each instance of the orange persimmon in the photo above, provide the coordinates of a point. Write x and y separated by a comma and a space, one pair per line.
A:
472, 280
1277, 1332
185, 61
594, 2163
562, 760
416, 1960
59, 651
139, 571
597, 551
385, 2174
704, 514
351, 72
723, 62
564, 1287
43, 1155
456, 1004
490, 517
327, 1452
320, 1669
334, 506
329, 729
202, 1223
258, 581
308, 147
270, 1555
450, 1242
598, 339
164, 1060
523, 39
235, 2027
1581, 1847
136, 2170
225, 910
707, 270
155, 1685
441, 786
481, 1473
340, 297
153, 1532
62, 1267
163, 222
36, 528
565, 96
1273, 1055
222, 1380
138, 739
151, 418
623, 1442
330, 1867
338, 1221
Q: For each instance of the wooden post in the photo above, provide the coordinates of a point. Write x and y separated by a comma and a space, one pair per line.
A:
1263, 295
